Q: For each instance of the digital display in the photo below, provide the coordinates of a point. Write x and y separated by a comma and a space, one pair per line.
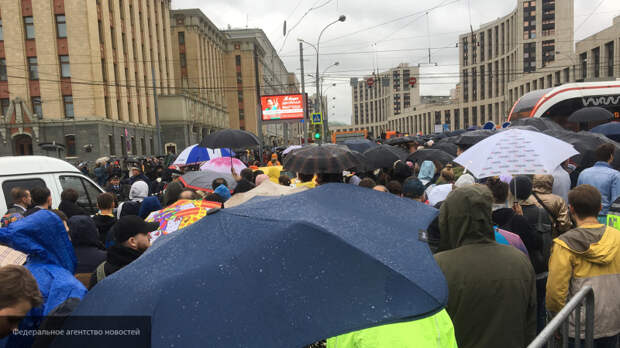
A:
282, 107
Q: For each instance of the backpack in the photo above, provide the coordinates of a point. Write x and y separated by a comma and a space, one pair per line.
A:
545, 230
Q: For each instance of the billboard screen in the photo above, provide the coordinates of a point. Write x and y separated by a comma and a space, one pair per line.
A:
282, 107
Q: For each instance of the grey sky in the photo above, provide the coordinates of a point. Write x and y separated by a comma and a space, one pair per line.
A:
403, 40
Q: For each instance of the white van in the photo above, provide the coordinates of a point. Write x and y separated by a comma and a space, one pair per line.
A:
55, 174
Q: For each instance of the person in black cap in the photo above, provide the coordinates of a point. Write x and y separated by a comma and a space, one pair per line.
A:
131, 240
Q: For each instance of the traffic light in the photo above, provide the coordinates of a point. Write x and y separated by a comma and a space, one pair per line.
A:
317, 132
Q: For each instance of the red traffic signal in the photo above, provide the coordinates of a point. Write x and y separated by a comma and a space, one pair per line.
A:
413, 81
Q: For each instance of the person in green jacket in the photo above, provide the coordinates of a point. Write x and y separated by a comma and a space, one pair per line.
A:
492, 287
434, 331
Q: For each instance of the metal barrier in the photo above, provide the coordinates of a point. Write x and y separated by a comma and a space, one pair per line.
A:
561, 321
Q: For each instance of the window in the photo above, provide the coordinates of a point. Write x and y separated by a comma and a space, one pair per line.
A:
33, 68
124, 146
37, 107
143, 146
61, 26
238, 60
29, 28
87, 192
583, 58
4, 104
68, 103
181, 38
65, 68
70, 145
152, 146
111, 145
3, 74
134, 148
27, 184
183, 60
596, 54
609, 47
1, 31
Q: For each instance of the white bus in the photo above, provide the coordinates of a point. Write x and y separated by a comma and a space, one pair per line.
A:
560, 102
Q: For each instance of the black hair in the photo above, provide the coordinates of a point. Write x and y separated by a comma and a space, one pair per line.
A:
40, 195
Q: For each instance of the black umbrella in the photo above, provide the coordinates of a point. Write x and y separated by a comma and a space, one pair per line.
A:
430, 155
586, 143
473, 137
590, 114
359, 145
384, 156
231, 139
403, 140
447, 147
540, 123
364, 166
321, 159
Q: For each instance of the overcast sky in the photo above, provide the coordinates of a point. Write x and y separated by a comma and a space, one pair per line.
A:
379, 34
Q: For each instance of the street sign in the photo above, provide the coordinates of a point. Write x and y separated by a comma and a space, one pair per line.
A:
316, 118
370, 81
413, 81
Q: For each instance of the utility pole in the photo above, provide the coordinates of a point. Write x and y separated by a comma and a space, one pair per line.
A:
159, 143
303, 92
259, 113
317, 100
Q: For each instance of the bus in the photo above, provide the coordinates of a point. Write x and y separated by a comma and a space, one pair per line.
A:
560, 102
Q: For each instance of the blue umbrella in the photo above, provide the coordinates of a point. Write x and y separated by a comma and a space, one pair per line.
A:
610, 130
283, 272
198, 154
359, 145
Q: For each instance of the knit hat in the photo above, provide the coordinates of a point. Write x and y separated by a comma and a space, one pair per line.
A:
523, 185
131, 225
223, 192
413, 187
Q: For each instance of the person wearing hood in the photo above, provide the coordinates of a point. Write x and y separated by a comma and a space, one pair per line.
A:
223, 192
131, 240
68, 203
89, 250
139, 191
492, 287
427, 173
587, 255
149, 205
542, 187
105, 219
51, 260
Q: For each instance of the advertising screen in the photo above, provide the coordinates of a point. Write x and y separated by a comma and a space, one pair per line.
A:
282, 107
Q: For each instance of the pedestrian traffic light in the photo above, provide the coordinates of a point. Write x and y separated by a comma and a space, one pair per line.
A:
317, 132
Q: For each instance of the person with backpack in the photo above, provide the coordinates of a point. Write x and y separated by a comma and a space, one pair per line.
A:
131, 240
538, 219
554, 205
139, 191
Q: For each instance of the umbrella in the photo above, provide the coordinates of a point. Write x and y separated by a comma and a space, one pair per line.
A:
321, 159
514, 152
223, 165
291, 148
473, 137
283, 274
102, 160
359, 145
202, 180
384, 156
447, 147
586, 143
610, 130
231, 139
404, 140
198, 154
430, 155
364, 166
266, 189
590, 114
179, 215
540, 123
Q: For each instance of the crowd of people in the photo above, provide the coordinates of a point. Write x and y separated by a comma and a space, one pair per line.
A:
513, 250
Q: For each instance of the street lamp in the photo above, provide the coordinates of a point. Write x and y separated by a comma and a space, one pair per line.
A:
342, 18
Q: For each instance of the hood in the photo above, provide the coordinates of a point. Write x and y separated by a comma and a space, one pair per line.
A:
149, 205
84, 232
223, 192
542, 183
427, 171
597, 243
465, 180
465, 217
43, 237
121, 256
139, 191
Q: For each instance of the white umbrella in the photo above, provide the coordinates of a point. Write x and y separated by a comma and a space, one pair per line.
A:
515, 151
291, 148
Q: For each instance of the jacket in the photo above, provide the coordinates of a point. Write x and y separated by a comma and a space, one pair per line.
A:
542, 186
118, 257
90, 252
139, 191
507, 219
51, 260
540, 222
433, 331
116, 190
32, 211
561, 183
587, 255
605, 179
492, 287
149, 205
71, 209
104, 223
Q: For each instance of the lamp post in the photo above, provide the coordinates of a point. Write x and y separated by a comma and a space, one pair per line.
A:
342, 18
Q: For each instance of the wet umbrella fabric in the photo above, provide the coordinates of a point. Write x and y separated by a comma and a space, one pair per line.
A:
473, 137
430, 155
197, 154
302, 268
364, 166
586, 143
384, 156
540, 123
447, 147
202, 180
359, 145
291, 148
590, 114
231, 139
321, 159
223, 165
610, 130
404, 140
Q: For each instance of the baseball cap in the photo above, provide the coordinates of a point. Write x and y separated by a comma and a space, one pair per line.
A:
413, 186
131, 225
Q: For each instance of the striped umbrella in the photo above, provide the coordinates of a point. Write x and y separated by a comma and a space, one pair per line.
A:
327, 158
197, 154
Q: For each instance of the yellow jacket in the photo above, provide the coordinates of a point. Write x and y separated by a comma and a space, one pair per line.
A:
587, 255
